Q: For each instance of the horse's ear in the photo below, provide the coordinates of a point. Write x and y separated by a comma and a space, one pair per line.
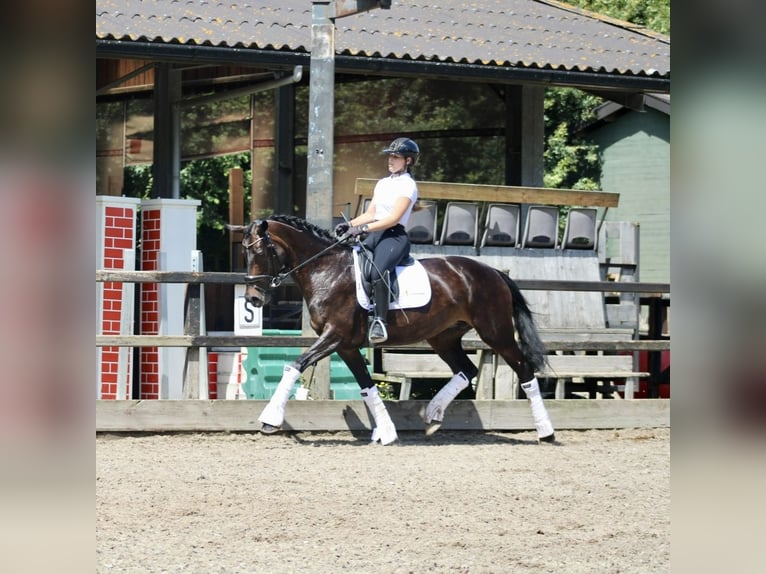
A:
235, 228
263, 225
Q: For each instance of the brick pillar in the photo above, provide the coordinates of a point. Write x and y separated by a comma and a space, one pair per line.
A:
168, 237
212, 374
116, 243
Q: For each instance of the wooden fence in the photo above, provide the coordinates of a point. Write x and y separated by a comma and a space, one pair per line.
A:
201, 415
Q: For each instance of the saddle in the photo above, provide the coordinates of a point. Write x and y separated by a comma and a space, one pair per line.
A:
409, 282
367, 270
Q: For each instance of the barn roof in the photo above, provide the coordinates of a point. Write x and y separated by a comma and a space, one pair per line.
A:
522, 40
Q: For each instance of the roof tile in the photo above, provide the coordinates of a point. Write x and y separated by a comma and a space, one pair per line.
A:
528, 33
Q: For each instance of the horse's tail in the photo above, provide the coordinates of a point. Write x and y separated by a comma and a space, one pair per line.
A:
532, 347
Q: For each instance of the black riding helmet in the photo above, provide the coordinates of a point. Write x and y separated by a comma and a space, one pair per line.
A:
404, 147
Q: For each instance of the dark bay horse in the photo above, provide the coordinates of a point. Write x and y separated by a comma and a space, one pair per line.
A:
465, 294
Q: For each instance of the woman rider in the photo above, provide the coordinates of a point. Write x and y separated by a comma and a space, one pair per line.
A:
383, 225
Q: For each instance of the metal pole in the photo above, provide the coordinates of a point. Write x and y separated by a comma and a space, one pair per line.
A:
319, 188
319, 172
319, 182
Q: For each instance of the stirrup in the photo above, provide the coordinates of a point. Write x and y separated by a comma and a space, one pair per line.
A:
378, 333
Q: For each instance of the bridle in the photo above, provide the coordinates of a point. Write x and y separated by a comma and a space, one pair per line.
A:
273, 279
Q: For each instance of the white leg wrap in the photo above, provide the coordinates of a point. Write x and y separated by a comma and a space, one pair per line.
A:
539, 412
384, 430
274, 413
438, 405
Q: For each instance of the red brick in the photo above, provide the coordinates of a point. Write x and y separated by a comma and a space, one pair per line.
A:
150, 293
109, 354
124, 243
111, 315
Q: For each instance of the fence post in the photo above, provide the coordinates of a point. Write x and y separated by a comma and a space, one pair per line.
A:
193, 386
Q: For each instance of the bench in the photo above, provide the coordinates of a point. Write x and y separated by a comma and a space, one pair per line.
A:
400, 367
601, 373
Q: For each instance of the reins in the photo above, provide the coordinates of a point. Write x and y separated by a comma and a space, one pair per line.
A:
276, 279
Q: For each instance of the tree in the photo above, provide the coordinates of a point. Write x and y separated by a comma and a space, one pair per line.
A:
654, 14
208, 181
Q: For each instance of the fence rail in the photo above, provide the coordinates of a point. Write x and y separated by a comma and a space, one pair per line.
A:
193, 277
194, 341
289, 341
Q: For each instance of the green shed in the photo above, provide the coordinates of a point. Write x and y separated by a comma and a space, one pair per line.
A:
635, 150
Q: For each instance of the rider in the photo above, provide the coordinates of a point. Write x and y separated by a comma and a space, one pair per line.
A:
383, 225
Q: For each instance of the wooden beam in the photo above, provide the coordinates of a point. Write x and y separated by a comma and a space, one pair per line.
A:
278, 341
207, 415
236, 210
502, 194
117, 276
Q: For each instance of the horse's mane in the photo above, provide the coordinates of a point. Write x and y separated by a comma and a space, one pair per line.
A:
303, 225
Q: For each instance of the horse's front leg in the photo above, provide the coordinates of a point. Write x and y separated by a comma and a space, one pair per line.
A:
384, 429
273, 415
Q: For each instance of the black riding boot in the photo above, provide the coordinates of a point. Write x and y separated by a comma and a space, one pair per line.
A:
381, 294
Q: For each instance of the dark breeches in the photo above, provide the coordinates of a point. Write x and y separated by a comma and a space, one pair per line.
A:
389, 247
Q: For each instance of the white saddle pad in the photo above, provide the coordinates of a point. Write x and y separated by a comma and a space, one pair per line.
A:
414, 286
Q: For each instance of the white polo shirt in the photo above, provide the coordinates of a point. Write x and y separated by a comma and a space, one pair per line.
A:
391, 188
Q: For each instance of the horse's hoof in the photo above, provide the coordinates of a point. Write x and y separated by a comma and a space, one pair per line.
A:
432, 427
269, 429
424, 416
550, 438
384, 436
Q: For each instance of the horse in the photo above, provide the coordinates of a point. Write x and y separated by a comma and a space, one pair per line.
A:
465, 294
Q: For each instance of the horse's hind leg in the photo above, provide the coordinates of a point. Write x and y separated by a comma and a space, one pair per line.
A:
384, 430
447, 346
526, 374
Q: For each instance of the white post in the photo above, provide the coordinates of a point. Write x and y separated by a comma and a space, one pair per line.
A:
169, 234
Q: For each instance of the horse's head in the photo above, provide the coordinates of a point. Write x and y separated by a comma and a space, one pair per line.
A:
262, 259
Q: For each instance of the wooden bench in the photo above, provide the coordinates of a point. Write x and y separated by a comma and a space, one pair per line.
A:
401, 367
601, 373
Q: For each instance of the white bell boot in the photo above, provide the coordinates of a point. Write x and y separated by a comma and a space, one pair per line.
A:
274, 413
539, 412
384, 430
435, 410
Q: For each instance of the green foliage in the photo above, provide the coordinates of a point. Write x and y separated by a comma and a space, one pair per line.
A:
208, 181
654, 14
387, 391
570, 161
138, 181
